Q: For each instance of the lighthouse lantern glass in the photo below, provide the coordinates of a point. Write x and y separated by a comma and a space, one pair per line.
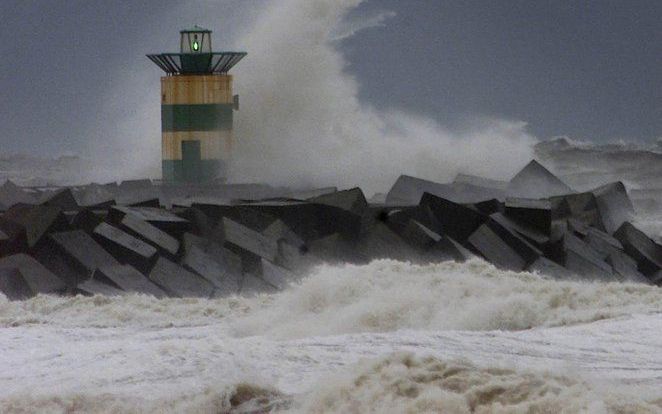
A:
196, 42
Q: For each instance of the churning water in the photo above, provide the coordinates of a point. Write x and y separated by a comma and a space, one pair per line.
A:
384, 337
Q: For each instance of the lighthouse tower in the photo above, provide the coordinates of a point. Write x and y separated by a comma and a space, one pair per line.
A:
197, 107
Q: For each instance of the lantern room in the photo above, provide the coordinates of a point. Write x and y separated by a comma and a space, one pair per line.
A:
195, 40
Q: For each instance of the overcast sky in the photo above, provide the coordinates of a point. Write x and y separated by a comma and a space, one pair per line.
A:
588, 69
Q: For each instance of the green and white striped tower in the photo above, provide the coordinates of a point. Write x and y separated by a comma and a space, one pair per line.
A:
197, 107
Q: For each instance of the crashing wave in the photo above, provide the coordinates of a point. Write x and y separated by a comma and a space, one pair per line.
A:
382, 296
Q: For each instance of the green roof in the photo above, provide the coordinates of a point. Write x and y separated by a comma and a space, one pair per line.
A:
195, 29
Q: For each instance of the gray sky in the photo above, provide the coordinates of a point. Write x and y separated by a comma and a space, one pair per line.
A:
589, 69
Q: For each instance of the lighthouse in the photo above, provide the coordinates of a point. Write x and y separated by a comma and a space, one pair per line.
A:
197, 105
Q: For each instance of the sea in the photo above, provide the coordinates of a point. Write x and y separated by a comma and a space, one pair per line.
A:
386, 337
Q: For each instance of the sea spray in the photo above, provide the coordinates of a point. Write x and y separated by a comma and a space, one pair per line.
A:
388, 295
382, 296
301, 122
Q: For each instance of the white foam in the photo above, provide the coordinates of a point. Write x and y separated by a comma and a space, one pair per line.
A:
406, 383
388, 295
382, 296
129, 310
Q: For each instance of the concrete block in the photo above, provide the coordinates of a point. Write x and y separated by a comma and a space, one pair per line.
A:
128, 279
203, 225
486, 241
249, 240
11, 194
88, 220
614, 205
456, 250
95, 196
37, 277
536, 181
297, 259
333, 248
530, 212
125, 247
37, 220
625, 268
60, 264
13, 239
525, 249
578, 227
408, 191
93, 287
225, 277
190, 240
225, 257
312, 221
382, 243
135, 185
278, 230
584, 261
179, 282
83, 252
13, 286
136, 191
530, 233
150, 202
240, 213
254, 285
379, 213
307, 194
545, 267
491, 206
398, 219
446, 249
419, 236
455, 220
151, 234
276, 276
165, 220
641, 248
656, 278
63, 199
351, 200
602, 242
573, 205
309, 221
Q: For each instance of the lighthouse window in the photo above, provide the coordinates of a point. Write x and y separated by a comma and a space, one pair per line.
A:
196, 45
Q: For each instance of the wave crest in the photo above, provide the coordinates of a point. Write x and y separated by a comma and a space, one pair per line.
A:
388, 295
382, 296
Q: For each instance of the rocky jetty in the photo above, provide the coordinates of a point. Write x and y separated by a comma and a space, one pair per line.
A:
218, 240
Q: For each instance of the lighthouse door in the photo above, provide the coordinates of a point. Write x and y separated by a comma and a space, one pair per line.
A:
191, 161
